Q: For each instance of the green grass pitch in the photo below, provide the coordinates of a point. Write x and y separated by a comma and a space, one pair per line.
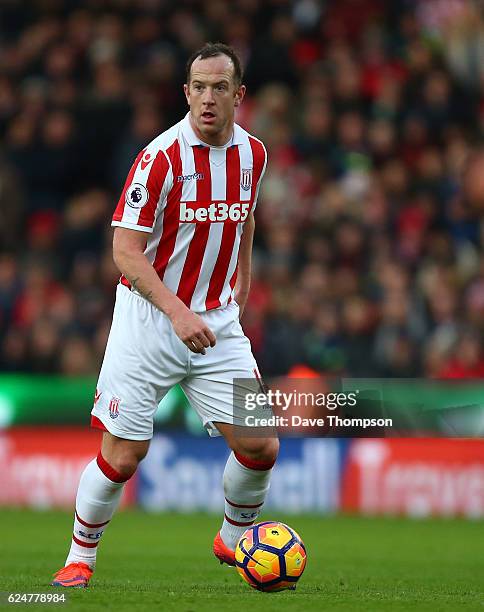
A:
164, 562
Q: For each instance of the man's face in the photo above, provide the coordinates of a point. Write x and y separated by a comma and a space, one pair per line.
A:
212, 96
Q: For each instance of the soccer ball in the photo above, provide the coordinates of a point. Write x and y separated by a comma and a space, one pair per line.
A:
270, 556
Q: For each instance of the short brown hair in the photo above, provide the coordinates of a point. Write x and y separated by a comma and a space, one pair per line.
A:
213, 50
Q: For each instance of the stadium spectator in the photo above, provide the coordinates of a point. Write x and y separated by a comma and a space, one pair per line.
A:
369, 239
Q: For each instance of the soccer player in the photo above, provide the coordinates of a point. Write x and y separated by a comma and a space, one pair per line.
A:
183, 235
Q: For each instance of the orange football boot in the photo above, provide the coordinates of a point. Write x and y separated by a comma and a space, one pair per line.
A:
75, 575
222, 552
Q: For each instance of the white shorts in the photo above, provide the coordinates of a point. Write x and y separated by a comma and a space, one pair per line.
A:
144, 359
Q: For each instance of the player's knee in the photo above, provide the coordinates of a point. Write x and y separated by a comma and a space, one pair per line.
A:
126, 461
125, 464
271, 449
264, 449
123, 455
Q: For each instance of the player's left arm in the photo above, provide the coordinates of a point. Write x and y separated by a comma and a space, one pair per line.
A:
242, 287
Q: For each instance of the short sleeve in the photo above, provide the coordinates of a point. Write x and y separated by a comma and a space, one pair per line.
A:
144, 192
259, 157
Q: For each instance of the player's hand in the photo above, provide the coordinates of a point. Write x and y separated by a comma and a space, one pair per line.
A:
193, 331
241, 310
241, 300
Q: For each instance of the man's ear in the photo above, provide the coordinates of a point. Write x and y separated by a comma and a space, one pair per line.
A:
239, 95
186, 90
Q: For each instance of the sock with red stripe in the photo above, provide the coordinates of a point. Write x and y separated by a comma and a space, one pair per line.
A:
246, 483
98, 496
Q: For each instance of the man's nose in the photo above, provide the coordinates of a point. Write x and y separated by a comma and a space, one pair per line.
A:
207, 97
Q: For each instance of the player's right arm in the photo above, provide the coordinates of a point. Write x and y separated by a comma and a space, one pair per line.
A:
129, 257
147, 184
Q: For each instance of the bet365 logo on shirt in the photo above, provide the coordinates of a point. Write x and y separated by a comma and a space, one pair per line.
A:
195, 212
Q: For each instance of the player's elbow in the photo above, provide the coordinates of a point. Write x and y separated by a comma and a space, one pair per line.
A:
126, 247
119, 257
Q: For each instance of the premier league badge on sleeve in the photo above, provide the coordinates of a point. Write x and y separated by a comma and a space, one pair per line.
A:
246, 178
136, 195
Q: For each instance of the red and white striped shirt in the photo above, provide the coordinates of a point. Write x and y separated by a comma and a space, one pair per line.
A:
192, 200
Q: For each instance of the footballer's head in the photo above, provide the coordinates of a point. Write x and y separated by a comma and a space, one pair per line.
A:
213, 90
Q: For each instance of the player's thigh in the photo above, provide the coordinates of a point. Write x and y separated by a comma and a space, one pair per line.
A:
212, 399
143, 360
220, 380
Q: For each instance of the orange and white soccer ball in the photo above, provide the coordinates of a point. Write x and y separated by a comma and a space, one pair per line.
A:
270, 556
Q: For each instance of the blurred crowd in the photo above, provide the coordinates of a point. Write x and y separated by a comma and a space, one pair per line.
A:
368, 250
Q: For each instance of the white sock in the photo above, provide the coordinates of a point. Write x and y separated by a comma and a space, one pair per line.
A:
245, 490
97, 498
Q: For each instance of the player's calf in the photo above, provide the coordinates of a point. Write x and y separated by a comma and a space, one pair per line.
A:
99, 492
246, 482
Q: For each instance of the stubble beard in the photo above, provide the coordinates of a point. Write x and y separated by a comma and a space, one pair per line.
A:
214, 131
